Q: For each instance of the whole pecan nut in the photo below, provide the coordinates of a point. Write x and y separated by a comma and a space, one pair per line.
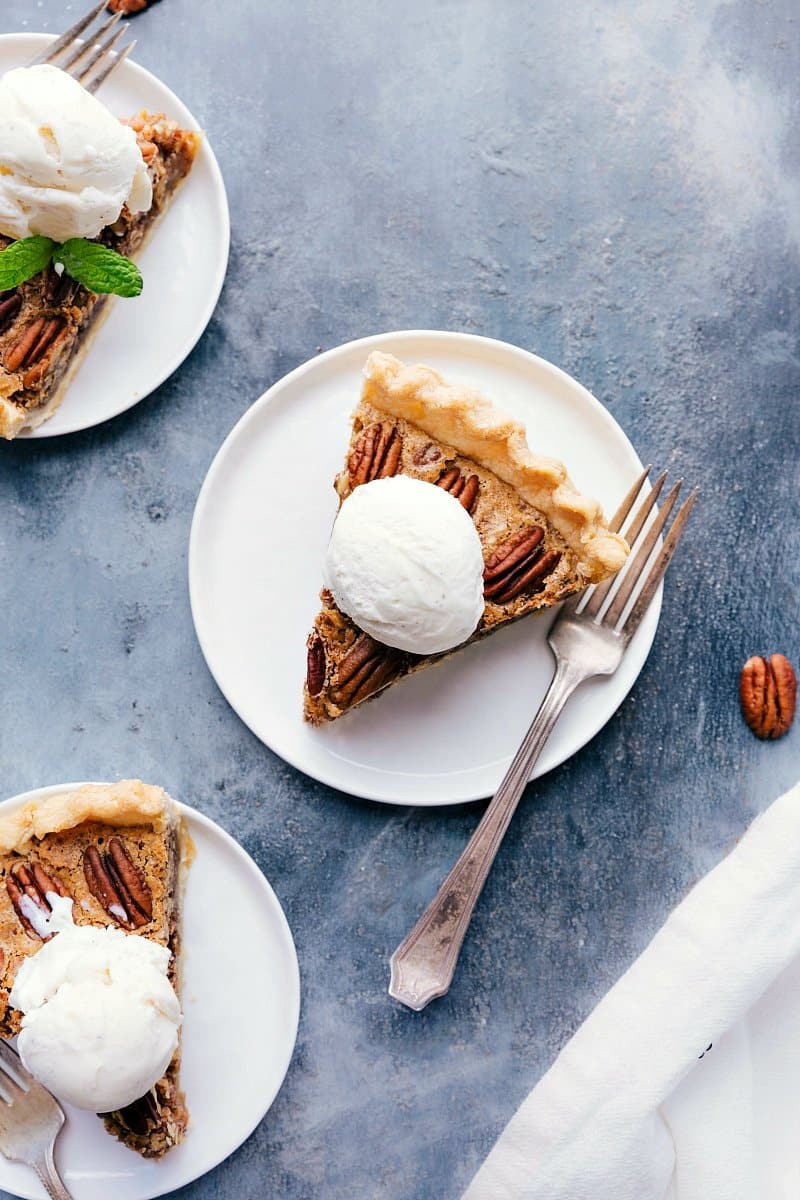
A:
117, 883
376, 454
28, 886
768, 694
365, 669
519, 565
465, 489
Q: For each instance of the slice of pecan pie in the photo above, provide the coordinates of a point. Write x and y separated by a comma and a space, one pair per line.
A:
46, 322
541, 539
120, 851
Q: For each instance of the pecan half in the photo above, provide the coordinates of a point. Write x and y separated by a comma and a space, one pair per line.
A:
61, 289
464, 489
19, 351
518, 566
142, 1115
9, 307
315, 665
366, 667
768, 693
33, 343
376, 454
117, 883
28, 886
134, 884
427, 454
42, 355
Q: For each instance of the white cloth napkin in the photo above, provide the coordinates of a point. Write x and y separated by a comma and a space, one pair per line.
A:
629, 1110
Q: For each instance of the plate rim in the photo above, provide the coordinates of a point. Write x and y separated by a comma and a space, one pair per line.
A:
192, 814
44, 431
254, 412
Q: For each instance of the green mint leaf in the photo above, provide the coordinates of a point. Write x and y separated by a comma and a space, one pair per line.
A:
98, 268
24, 259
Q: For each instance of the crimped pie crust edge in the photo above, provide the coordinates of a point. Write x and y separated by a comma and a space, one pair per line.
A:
129, 802
476, 428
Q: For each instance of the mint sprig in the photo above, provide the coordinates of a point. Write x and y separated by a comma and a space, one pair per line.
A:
92, 264
24, 259
99, 268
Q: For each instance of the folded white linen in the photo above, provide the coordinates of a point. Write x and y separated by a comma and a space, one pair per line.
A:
634, 1107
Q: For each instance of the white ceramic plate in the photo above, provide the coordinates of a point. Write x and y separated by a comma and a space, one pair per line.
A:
241, 1002
258, 538
141, 341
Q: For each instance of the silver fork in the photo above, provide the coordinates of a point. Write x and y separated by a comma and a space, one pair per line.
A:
588, 637
30, 1122
90, 59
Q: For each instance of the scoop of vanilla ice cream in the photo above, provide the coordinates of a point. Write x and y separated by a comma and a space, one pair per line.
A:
405, 562
67, 165
101, 1018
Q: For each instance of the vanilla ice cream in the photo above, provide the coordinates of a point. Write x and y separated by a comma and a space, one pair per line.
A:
101, 1017
405, 563
67, 165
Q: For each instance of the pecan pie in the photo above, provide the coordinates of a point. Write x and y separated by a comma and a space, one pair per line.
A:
46, 322
541, 539
120, 852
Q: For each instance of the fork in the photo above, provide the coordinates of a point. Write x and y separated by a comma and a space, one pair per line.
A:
588, 637
92, 60
30, 1121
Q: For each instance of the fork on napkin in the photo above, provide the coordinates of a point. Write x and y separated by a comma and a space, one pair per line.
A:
684, 1083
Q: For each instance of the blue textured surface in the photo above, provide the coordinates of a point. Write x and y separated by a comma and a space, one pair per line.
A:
614, 186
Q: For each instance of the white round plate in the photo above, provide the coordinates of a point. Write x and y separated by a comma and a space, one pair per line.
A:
141, 341
259, 534
241, 1003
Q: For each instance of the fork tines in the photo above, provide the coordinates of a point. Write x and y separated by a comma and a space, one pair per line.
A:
13, 1076
92, 59
642, 527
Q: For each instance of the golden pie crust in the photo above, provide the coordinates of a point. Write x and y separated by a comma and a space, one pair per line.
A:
477, 429
129, 802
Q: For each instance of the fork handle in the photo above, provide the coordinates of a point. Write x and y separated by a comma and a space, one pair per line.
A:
424, 963
45, 1168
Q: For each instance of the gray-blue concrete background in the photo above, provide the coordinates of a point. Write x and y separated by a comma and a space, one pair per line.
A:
613, 185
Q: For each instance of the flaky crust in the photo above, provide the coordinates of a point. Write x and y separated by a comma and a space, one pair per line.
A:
12, 418
129, 802
466, 420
